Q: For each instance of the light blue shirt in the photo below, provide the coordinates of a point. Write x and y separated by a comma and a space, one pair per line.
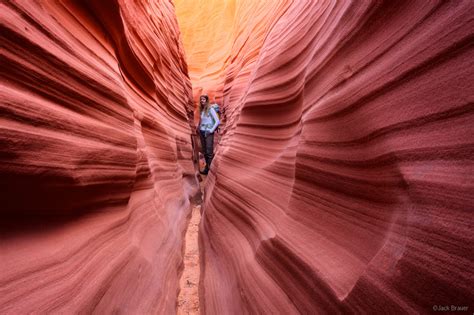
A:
209, 120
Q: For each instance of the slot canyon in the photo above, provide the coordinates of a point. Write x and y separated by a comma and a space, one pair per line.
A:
343, 176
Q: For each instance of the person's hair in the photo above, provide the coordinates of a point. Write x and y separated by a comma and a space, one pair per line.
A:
207, 101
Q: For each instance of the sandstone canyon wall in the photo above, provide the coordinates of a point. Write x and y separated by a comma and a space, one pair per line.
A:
343, 180
95, 159
343, 176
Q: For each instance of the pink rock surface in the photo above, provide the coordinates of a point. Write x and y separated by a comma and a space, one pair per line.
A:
95, 160
343, 182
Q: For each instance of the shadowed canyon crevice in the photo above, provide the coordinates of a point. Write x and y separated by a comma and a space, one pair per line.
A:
343, 176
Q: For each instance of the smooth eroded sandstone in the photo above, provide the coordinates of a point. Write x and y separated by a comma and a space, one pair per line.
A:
343, 177
95, 161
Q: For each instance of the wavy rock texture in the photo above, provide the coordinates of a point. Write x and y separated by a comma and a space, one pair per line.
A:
96, 170
222, 39
343, 181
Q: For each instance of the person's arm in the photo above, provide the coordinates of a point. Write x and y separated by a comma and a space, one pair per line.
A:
198, 127
216, 120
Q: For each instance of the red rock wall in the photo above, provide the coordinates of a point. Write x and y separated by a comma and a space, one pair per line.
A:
95, 158
343, 181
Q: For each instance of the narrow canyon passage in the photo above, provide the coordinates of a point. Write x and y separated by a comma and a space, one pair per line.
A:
188, 299
342, 176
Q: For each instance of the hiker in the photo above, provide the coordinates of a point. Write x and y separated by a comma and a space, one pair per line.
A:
207, 125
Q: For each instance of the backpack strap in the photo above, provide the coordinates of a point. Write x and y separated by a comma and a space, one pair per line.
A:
212, 108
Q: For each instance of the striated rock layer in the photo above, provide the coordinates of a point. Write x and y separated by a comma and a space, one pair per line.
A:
343, 180
222, 39
95, 160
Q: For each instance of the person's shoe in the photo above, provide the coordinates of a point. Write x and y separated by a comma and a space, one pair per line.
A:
205, 171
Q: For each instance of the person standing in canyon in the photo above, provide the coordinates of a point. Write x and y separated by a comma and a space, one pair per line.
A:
208, 123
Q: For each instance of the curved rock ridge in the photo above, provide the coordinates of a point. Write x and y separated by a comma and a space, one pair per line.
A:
343, 179
95, 164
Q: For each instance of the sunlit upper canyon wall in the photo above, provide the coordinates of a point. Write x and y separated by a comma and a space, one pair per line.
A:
343, 176
95, 160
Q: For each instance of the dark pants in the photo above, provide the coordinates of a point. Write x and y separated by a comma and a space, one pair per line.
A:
207, 145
